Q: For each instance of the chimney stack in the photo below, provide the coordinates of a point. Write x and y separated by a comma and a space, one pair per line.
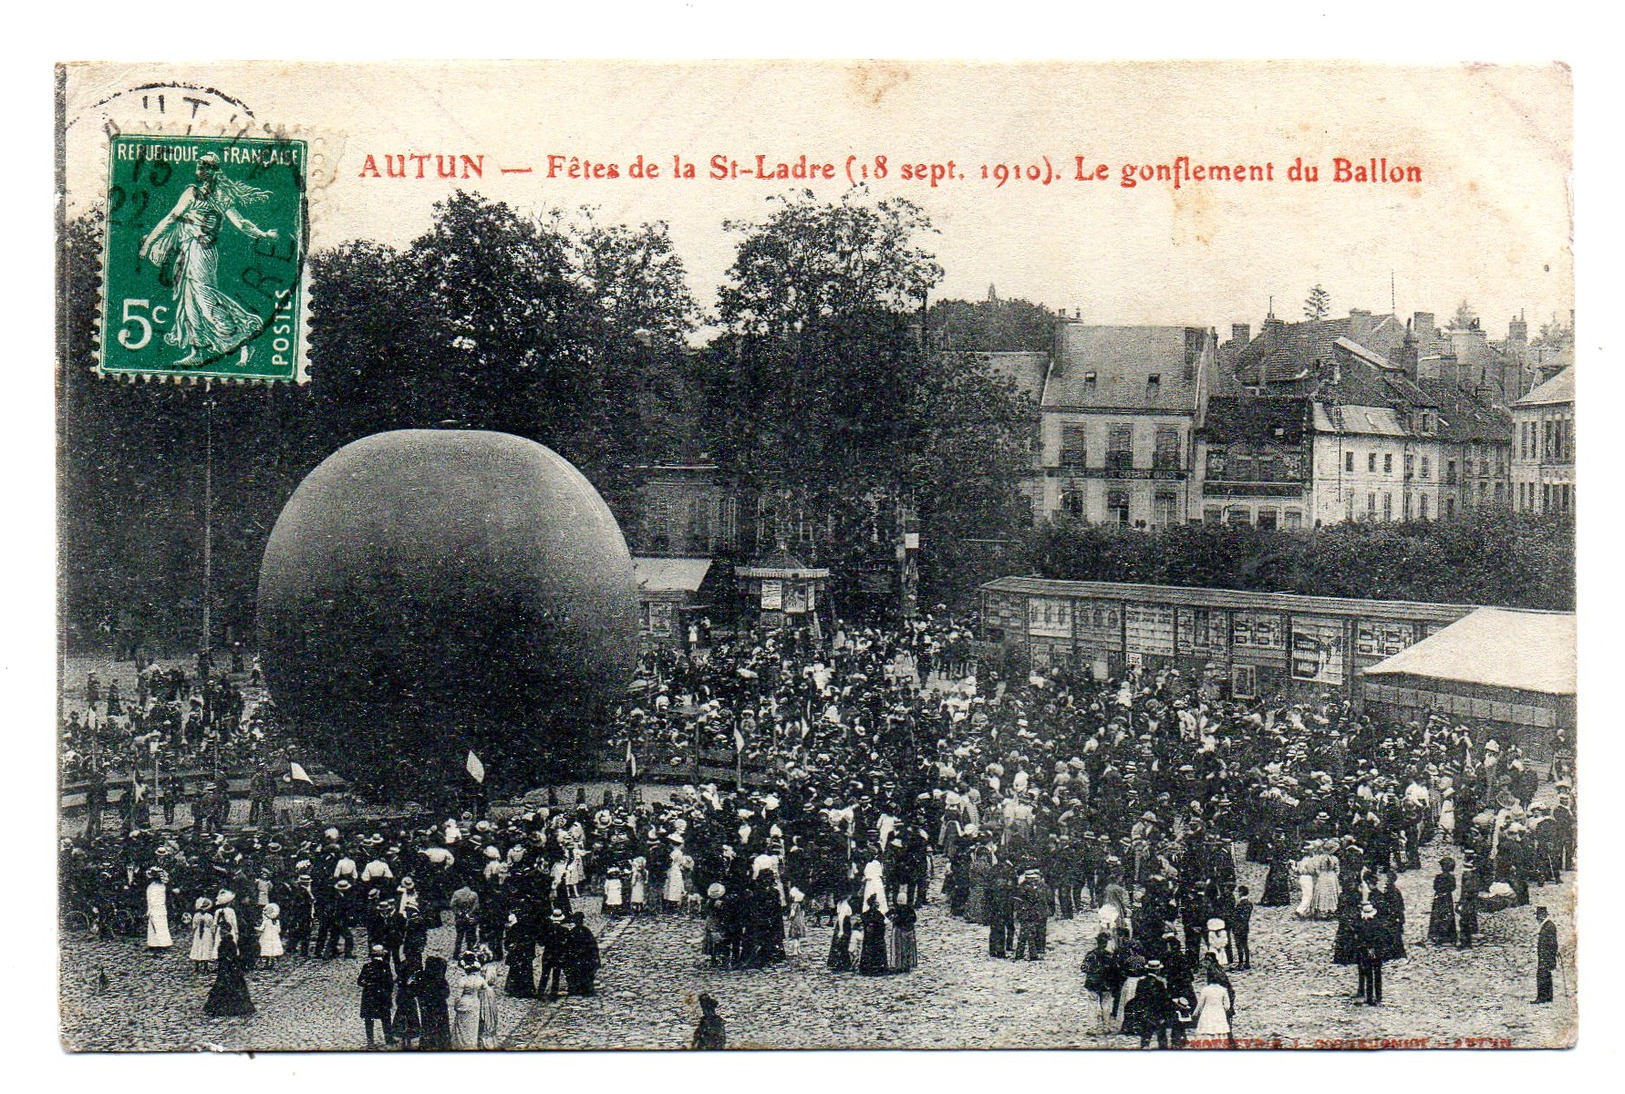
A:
1241, 332
1404, 355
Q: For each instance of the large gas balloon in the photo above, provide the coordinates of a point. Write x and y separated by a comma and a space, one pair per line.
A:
427, 593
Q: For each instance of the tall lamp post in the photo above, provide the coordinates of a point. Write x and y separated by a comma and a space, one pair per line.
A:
206, 638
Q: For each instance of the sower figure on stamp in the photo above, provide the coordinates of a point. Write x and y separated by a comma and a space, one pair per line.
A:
207, 321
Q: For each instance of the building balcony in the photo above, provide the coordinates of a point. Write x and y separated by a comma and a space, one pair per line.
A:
1120, 474
1223, 489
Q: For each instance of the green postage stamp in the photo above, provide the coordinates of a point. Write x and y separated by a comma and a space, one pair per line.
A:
205, 254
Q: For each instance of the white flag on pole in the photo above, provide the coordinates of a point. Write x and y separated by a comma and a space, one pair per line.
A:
475, 768
298, 774
739, 741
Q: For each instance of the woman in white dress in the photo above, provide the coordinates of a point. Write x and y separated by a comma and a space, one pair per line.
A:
1327, 890
474, 1008
874, 885
1306, 870
158, 939
675, 886
577, 871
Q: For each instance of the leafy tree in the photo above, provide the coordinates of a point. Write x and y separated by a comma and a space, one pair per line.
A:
990, 326
822, 393
1491, 556
810, 263
1465, 318
562, 333
1318, 304
1556, 334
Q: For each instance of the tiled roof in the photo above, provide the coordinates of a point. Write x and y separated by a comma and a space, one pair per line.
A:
1292, 353
1122, 361
1559, 389
1026, 370
1463, 418
1358, 388
1368, 421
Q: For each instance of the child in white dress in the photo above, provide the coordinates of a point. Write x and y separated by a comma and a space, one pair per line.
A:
638, 897
204, 939
270, 936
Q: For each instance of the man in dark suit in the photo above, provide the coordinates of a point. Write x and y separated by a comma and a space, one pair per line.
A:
1545, 956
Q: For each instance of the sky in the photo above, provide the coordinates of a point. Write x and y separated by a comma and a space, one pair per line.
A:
1489, 222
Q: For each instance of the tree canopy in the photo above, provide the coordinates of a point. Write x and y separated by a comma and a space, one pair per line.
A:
823, 393
1489, 556
566, 331
1318, 304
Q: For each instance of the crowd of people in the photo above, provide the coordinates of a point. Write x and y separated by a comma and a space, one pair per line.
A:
878, 771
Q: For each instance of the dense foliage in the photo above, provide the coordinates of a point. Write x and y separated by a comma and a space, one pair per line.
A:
567, 332
1492, 556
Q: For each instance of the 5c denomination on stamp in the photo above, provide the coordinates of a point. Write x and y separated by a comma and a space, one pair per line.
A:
205, 257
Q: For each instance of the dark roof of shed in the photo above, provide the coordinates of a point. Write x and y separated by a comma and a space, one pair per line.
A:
1230, 598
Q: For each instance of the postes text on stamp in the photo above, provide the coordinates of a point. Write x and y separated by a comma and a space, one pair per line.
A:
206, 241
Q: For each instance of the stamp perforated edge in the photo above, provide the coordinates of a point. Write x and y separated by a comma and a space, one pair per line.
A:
323, 148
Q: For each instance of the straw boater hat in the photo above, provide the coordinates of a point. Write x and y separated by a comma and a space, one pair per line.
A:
203, 904
225, 896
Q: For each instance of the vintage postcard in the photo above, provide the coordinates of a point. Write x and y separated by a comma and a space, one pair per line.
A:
579, 555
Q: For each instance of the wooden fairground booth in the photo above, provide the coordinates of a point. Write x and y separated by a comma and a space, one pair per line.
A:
781, 592
1505, 671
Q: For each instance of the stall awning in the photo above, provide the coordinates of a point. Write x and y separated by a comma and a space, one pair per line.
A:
1496, 647
670, 575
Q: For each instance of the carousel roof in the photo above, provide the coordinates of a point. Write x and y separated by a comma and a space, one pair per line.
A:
780, 563
1497, 647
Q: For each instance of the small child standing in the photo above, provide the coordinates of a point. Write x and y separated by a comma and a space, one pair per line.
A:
1241, 926
203, 936
270, 936
613, 903
795, 923
639, 895
1217, 943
